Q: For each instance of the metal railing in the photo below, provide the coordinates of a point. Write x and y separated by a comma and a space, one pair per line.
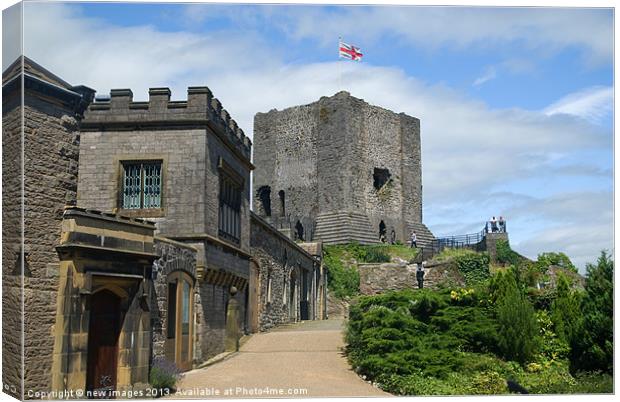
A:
470, 240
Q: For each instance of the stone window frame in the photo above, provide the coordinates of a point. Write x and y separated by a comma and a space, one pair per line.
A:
119, 162
269, 293
228, 174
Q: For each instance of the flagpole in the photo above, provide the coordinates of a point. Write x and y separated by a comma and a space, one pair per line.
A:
339, 65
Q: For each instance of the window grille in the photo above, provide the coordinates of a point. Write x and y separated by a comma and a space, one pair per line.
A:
230, 209
142, 185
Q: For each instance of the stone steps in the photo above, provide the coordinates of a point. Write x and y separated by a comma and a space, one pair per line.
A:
344, 227
423, 234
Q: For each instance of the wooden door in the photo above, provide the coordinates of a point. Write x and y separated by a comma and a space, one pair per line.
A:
180, 325
103, 333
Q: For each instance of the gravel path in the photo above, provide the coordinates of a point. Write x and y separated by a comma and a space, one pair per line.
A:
300, 360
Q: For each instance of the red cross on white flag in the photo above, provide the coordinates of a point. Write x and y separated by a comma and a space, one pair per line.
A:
350, 52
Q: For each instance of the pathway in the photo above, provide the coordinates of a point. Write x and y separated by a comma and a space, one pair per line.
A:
298, 360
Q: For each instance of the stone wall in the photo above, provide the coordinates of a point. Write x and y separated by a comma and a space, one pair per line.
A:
183, 171
379, 278
196, 139
282, 263
323, 157
173, 257
12, 296
287, 163
198, 143
51, 143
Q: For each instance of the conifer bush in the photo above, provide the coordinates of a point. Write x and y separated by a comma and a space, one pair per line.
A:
518, 329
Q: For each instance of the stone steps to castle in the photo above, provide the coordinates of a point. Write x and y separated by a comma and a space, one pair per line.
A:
425, 237
344, 227
345, 232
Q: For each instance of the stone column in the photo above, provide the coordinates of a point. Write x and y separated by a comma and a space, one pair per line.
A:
231, 343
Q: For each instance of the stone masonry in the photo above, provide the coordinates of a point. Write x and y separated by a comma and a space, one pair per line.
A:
198, 144
379, 278
49, 141
283, 268
339, 170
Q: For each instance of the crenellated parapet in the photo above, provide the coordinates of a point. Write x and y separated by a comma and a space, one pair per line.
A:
120, 112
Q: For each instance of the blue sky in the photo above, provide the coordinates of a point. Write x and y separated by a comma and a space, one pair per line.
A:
516, 104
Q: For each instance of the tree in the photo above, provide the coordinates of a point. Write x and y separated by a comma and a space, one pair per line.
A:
592, 347
565, 310
560, 259
518, 329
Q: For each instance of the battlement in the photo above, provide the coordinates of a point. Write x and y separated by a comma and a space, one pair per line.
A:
120, 112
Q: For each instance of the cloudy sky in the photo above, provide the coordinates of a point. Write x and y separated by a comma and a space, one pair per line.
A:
516, 104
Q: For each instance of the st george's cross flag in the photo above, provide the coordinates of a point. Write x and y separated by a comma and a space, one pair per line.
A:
350, 52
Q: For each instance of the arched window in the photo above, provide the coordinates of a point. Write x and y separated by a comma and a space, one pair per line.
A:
264, 195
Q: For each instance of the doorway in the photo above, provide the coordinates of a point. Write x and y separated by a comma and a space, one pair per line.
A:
253, 299
103, 333
179, 324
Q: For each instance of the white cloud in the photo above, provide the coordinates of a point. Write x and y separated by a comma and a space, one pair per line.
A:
468, 147
592, 104
545, 29
489, 74
579, 224
11, 34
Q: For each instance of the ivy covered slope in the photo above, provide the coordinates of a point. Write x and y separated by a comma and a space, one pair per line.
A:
492, 333
341, 263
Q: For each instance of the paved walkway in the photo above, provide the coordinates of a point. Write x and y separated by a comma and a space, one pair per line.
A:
299, 360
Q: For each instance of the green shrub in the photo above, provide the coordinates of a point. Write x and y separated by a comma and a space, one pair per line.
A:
476, 327
425, 303
376, 255
474, 267
518, 329
545, 260
426, 342
488, 383
344, 280
164, 374
549, 379
593, 383
505, 255
552, 347
592, 346
565, 310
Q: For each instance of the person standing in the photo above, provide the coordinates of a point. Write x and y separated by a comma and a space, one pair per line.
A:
493, 225
419, 275
393, 237
502, 225
414, 240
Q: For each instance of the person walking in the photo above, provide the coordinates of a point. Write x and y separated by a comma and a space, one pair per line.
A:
414, 240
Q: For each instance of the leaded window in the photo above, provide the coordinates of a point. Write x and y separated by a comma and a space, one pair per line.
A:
142, 185
230, 209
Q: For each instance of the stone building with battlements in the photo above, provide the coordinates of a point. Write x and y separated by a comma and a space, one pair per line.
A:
339, 170
128, 236
184, 165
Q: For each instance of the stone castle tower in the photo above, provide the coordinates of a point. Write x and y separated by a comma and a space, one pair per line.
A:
339, 170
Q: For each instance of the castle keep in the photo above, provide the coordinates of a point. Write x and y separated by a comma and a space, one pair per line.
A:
339, 170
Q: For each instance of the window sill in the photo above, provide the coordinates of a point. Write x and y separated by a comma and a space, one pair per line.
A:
143, 213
